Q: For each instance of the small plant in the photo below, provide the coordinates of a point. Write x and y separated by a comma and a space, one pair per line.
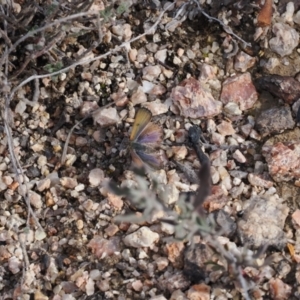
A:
50, 68
109, 12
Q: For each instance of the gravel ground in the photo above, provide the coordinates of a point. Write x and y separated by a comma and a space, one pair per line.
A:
77, 221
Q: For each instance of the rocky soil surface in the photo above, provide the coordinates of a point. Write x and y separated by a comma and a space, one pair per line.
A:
76, 220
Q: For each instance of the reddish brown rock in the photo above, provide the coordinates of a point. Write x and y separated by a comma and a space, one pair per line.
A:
279, 290
261, 180
240, 90
199, 292
175, 253
216, 200
283, 160
193, 100
225, 128
120, 98
102, 247
264, 17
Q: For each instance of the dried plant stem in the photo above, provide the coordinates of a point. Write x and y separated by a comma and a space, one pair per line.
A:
18, 170
125, 45
225, 27
36, 54
15, 162
41, 29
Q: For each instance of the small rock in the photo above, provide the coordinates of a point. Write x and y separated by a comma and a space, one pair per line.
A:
81, 141
37, 147
162, 263
132, 54
137, 285
238, 156
233, 109
42, 161
243, 62
106, 117
138, 97
79, 224
238, 174
218, 158
68, 182
168, 193
43, 184
173, 282
157, 107
123, 30
175, 253
87, 76
159, 297
38, 295
271, 64
120, 98
35, 199
143, 237
217, 200
53, 178
20, 108
157, 90
225, 128
207, 72
296, 217
88, 205
286, 39
262, 222
264, 17
194, 101
39, 235
111, 230
180, 152
88, 107
296, 18
147, 86
255, 135
103, 285
199, 292
102, 247
90, 287
151, 72
240, 90
152, 47
260, 180
14, 265
246, 129
115, 201
217, 138
96, 176
178, 295
7, 180
279, 290
161, 55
